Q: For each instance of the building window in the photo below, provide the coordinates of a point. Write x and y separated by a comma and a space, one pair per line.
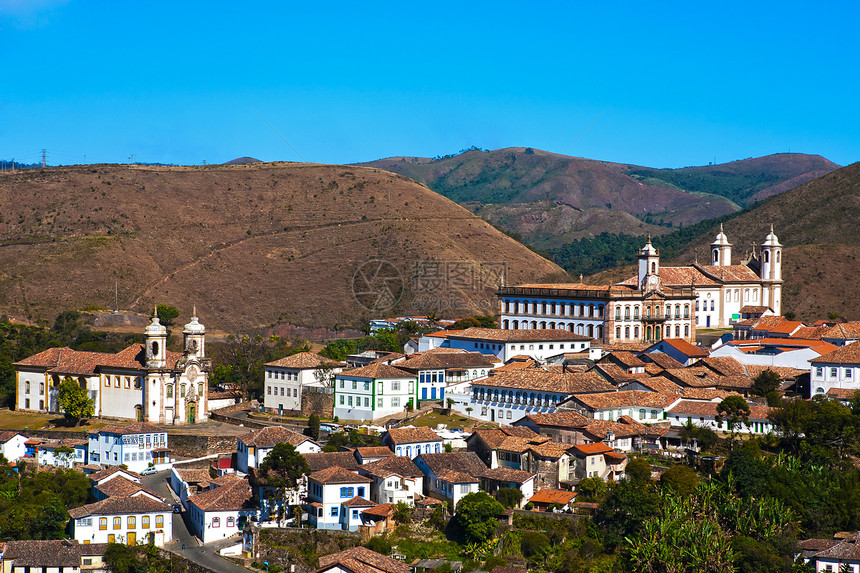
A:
355, 384
132, 522
231, 522
144, 522
170, 390
159, 521
27, 387
617, 313
635, 312
395, 402
819, 372
216, 522
334, 511
182, 390
833, 373
347, 492
395, 386
268, 390
117, 523
102, 523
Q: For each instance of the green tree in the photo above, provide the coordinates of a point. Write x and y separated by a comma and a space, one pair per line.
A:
681, 479
284, 466
402, 513
166, 314
735, 412
314, 426
624, 510
591, 489
639, 471
534, 545
74, 401
509, 496
477, 516
765, 383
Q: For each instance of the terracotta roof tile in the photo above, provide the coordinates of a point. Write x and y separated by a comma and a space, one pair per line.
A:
568, 383
375, 371
685, 348
364, 560
560, 419
43, 554
844, 331
847, 549
321, 460
270, 436
550, 496
454, 476
591, 449
625, 398
337, 474
305, 360
688, 407
225, 498
659, 384
109, 471
749, 309
413, 435
550, 449
130, 429
381, 511
723, 365
358, 501
626, 358
446, 360
693, 377
662, 359
842, 393
848, 354
374, 452
120, 505
507, 474
399, 465
467, 462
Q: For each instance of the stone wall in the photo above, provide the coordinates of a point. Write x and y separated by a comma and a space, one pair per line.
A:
318, 403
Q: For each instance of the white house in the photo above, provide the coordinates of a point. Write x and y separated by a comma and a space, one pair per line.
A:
395, 479
539, 343
451, 476
435, 369
222, 511
284, 379
412, 441
838, 369
137, 446
494, 479
784, 352
187, 483
334, 495
373, 391
122, 487
130, 520
704, 413
644, 407
113, 472
57, 453
679, 350
12, 445
253, 447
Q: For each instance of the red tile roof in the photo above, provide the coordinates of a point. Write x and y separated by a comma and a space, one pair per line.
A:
413, 435
562, 382
376, 371
270, 436
234, 496
626, 398
338, 475
685, 348
688, 407
848, 354
591, 449
550, 496
120, 506
662, 359
305, 360
368, 561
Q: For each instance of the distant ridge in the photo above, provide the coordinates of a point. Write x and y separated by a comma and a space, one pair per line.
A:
242, 161
550, 199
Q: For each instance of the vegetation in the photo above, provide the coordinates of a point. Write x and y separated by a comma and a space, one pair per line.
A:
737, 187
509, 496
477, 516
166, 314
34, 504
239, 361
590, 255
384, 341
284, 466
314, 426
478, 321
74, 401
735, 412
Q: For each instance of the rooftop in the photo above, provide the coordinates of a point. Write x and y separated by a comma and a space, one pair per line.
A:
412, 435
306, 360
270, 436
503, 335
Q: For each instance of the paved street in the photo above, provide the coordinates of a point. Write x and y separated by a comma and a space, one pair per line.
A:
205, 556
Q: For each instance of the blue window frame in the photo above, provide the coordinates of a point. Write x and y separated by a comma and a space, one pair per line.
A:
347, 492
361, 492
355, 514
334, 511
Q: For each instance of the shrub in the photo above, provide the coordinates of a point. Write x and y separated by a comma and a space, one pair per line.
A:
534, 544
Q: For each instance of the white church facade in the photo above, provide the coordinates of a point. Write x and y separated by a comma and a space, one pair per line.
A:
660, 302
143, 382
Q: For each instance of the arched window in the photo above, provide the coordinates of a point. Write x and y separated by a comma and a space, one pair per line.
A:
647, 333
777, 256
507, 306
600, 311
767, 256
543, 308
570, 327
591, 331
627, 332
653, 268
169, 388
636, 332
686, 311
552, 325
617, 332
543, 324
516, 306
716, 256
677, 331
505, 324
686, 331
627, 312
599, 331
516, 325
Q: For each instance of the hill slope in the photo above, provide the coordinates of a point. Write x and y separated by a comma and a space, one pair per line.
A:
251, 245
551, 199
818, 223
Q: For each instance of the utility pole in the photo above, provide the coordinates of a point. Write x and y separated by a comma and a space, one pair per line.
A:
44, 160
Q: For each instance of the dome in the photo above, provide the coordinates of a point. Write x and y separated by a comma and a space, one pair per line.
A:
194, 327
155, 328
721, 239
771, 240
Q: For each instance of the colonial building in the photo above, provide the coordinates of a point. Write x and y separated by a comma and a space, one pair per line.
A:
142, 382
660, 302
130, 520
373, 391
137, 446
284, 379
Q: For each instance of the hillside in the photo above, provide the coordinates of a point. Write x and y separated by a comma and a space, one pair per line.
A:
252, 245
817, 222
550, 199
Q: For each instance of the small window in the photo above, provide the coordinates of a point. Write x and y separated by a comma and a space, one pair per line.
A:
334, 511
216, 522
132, 522
170, 390
159, 521
144, 522
231, 522
117, 523
102, 523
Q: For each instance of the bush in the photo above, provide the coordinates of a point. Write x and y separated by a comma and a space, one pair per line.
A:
380, 543
682, 479
509, 496
534, 544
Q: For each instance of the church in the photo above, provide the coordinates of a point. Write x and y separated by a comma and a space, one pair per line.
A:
660, 302
144, 382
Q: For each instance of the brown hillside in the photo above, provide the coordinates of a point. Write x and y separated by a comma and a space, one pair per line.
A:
818, 223
251, 245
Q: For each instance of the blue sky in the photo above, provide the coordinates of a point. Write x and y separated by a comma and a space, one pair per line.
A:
651, 83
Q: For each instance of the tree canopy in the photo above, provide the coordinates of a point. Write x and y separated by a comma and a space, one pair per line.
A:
74, 401
735, 412
284, 466
477, 516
